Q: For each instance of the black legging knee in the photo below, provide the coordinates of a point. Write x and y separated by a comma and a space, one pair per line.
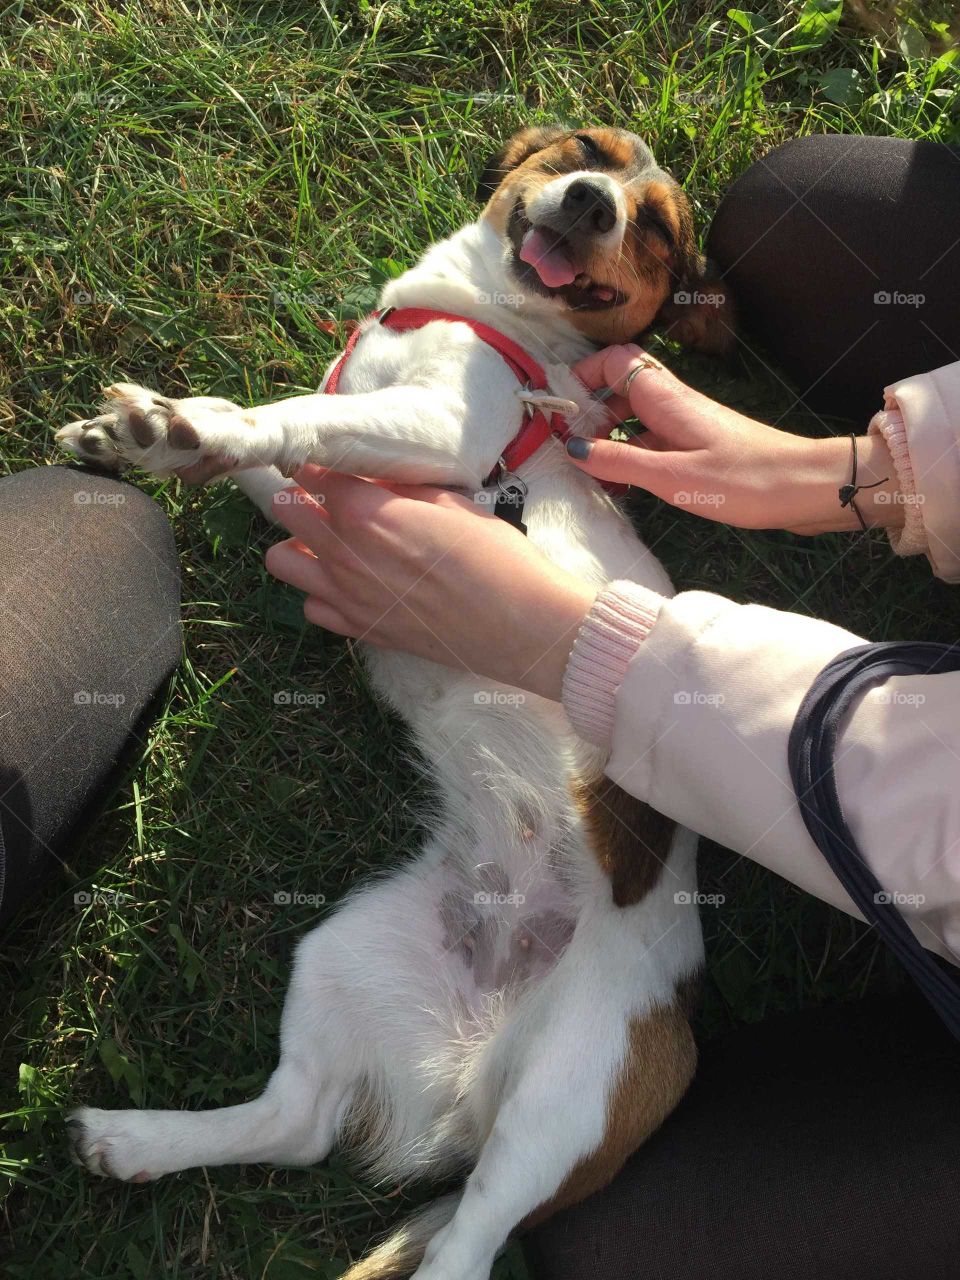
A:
810, 235
820, 1146
91, 630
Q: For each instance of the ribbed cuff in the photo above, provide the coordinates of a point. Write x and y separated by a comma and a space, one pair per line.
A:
620, 620
911, 540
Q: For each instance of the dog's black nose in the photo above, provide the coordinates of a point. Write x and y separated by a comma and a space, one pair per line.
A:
590, 205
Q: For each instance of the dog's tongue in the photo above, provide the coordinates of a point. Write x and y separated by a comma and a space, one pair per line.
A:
542, 251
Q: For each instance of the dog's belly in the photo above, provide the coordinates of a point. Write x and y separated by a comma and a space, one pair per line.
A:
505, 923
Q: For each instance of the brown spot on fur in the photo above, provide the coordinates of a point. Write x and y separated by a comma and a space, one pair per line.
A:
140, 428
657, 1068
181, 434
630, 840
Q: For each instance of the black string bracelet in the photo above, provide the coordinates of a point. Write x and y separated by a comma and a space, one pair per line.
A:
848, 492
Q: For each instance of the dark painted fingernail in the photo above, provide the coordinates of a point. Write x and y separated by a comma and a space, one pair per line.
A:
579, 448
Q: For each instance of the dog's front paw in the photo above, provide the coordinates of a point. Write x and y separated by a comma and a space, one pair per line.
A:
202, 434
110, 1144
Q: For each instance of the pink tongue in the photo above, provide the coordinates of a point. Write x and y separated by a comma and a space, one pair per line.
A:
541, 251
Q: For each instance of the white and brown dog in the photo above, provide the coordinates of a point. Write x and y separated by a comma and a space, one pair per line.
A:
513, 1003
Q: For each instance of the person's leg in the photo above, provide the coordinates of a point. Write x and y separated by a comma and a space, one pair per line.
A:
813, 238
89, 632
822, 1144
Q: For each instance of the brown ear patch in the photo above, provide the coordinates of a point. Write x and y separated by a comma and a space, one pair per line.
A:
630, 840
513, 153
701, 313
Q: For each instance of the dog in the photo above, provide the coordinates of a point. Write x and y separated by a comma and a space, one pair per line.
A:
513, 1004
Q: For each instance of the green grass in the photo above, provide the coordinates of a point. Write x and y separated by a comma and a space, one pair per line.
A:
189, 193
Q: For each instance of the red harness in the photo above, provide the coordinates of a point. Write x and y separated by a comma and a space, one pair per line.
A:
537, 427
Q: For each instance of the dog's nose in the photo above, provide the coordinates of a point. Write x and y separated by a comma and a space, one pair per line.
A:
590, 205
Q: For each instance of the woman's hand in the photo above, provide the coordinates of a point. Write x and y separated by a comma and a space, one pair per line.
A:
706, 458
428, 572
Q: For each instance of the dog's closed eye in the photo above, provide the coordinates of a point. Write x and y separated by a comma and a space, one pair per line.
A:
653, 220
593, 154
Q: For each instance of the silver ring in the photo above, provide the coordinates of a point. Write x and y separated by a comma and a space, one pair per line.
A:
643, 362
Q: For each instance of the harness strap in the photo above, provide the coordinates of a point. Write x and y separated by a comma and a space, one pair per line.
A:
537, 428
810, 756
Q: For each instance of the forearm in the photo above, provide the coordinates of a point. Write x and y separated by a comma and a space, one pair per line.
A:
810, 487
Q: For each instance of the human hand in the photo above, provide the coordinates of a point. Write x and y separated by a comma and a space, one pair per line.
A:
703, 457
426, 571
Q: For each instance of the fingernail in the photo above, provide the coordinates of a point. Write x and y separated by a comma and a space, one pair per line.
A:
579, 448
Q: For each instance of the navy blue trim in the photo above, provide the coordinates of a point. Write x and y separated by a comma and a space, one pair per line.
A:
810, 753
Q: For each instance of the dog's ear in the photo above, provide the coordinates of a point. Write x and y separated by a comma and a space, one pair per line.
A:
513, 152
698, 312
701, 313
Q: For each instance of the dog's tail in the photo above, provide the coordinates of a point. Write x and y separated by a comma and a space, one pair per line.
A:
402, 1252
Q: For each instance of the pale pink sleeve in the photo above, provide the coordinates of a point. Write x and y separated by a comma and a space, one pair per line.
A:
694, 699
609, 636
920, 423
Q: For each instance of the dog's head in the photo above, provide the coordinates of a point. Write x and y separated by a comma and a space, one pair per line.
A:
589, 220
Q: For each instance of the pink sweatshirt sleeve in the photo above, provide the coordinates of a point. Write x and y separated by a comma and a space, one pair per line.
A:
694, 699
920, 422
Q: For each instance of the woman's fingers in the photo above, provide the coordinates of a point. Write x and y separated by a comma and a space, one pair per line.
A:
606, 368
294, 564
206, 469
592, 372
346, 497
324, 614
312, 478
302, 514
624, 463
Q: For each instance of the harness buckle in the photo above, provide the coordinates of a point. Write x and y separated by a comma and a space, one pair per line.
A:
512, 494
